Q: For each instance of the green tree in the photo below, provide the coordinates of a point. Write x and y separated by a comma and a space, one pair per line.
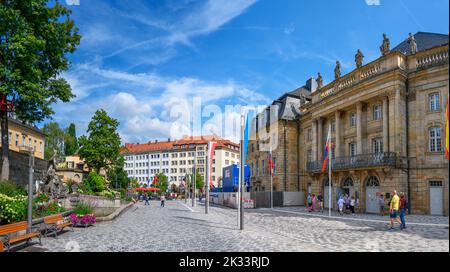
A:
118, 176
162, 183
199, 182
94, 183
35, 38
101, 149
54, 141
70, 140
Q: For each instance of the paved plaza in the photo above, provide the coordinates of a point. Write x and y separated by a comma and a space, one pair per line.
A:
179, 227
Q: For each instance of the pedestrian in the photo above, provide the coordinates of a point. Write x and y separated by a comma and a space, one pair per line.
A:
313, 205
403, 209
341, 203
309, 202
381, 204
352, 205
347, 203
163, 199
320, 199
146, 199
394, 209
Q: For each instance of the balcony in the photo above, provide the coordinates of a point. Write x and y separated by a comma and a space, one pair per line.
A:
386, 159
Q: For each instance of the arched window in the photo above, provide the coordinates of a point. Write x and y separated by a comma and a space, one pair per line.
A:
372, 181
348, 182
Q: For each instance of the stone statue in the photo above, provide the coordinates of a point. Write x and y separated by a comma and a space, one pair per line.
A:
412, 44
359, 59
52, 185
337, 70
319, 81
385, 48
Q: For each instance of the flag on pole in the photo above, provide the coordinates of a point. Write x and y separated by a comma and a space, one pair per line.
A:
327, 152
155, 180
271, 165
247, 130
211, 148
446, 130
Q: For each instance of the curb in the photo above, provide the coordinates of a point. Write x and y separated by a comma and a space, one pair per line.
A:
115, 214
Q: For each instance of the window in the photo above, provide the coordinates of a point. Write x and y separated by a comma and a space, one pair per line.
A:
333, 126
227, 154
17, 140
309, 156
309, 135
333, 152
377, 146
10, 138
353, 119
40, 144
377, 112
434, 102
352, 149
435, 144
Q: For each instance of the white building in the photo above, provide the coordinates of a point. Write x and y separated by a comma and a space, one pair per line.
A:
177, 158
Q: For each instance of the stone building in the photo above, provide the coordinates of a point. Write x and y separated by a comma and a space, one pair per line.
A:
387, 121
276, 129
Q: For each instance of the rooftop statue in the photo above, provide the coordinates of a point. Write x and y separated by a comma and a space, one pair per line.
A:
337, 70
385, 48
412, 44
319, 81
359, 59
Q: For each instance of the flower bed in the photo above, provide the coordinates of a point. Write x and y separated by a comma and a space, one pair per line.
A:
82, 220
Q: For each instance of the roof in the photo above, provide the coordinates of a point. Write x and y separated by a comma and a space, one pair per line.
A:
424, 40
22, 124
169, 145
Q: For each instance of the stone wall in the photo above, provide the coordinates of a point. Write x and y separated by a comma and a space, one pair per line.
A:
18, 168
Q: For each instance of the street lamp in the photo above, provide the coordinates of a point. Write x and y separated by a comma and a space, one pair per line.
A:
30, 151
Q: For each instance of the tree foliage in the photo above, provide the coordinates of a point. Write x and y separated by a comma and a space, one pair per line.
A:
54, 141
101, 148
70, 140
162, 183
117, 175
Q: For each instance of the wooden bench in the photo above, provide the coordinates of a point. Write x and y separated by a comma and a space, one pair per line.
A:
56, 223
1, 247
8, 239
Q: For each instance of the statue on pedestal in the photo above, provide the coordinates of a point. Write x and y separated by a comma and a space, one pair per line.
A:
385, 47
359, 59
412, 44
319, 81
337, 70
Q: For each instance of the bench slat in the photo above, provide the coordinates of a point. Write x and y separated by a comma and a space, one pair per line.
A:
23, 237
53, 218
14, 227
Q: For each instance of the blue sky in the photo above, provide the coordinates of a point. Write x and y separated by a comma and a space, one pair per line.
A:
142, 60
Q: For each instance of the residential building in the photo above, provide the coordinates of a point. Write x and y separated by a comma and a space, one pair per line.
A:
24, 134
177, 158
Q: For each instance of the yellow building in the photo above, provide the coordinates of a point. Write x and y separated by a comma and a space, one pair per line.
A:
21, 134
74, 169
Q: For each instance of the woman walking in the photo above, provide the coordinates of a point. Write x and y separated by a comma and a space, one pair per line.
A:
163, 199
313, 206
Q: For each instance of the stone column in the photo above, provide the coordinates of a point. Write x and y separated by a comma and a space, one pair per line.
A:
359, 149
337, 148
385, 124
320, 139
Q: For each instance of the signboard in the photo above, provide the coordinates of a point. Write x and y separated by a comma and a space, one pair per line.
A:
248, 204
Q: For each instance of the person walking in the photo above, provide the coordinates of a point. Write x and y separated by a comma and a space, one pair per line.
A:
381, 204
309, 202
403, 209
146, 199
352, 205
163, 200
341, 203
394, 209
320, 199
314, 200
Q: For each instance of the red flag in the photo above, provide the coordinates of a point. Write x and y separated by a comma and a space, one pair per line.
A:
211, 148
271, 165
155, 180
327, 153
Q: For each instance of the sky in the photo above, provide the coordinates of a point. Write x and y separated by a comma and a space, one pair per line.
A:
157, 65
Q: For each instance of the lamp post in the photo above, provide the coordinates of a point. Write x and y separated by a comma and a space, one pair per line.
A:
30, 151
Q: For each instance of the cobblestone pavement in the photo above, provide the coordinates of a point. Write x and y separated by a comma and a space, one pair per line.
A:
179, 227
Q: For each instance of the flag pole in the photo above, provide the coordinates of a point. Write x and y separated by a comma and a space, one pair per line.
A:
271, 178
194, 179
329, 174
241, 176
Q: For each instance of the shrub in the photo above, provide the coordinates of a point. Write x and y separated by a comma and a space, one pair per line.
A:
94, 182
53, 207
12, 209
83, 208
9, 188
